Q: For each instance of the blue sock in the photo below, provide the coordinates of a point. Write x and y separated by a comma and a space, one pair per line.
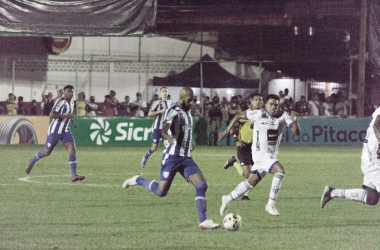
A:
151, 186
200, 200
73, 164
38, 156
148, 153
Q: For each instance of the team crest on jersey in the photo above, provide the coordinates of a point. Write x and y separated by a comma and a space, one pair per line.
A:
48, 145
166, 174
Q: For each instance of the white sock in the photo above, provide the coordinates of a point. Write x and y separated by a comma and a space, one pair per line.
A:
275, 188
239, 191
351, 194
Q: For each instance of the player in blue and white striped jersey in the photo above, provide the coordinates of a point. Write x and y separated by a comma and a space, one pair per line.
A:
177, 158
62, 114
158, 110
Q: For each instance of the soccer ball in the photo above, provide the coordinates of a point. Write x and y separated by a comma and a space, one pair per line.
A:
232, 222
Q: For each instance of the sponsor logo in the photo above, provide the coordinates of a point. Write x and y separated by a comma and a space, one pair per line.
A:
166, 174
101, 132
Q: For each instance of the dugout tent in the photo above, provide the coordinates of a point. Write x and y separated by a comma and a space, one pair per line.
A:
214, 76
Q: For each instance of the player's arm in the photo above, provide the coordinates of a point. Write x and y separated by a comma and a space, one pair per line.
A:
236, 118
165, 134
376, 128
295, 127
153, 113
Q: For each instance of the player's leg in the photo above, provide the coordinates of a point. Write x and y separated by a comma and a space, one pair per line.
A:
367, 195
218, 123
50, 143
69, 144
244, 154
254, 178
156, 136
193, 174
279, 172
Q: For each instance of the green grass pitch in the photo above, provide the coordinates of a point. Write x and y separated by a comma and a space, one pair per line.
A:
44, 210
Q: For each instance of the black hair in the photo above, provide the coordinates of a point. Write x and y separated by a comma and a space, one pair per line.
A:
272, 96
68, 87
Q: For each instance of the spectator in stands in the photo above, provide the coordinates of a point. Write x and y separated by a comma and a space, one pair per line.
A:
232, 109
205, 107
216, 118
328, 107
92, 107
315, 106
281, 95
47, 102
286, 94
114, 100
169, 101
140, 104
21, 109
302, 107
108, 106
368, 107
195, 108
12, 105
80, 106
33, 108
342, 107
286, 106
59, 93
126, 107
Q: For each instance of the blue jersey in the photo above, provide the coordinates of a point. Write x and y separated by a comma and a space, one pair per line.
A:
62, 107
181, 131
157, 106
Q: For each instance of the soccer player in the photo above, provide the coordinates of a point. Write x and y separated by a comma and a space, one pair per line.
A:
370, 165
62, 114
158, 110
177, 158
244, 144
267, 134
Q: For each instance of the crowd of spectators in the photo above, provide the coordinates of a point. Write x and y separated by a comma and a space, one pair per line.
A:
316, 105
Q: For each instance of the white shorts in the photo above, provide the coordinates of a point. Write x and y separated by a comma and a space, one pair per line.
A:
371, 178
263, 163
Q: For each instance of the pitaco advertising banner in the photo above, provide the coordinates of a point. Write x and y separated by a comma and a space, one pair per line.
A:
138, 132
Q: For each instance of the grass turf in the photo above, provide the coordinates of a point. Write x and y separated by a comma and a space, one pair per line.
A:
44, 210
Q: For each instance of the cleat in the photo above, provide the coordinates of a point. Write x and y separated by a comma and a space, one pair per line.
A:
326, 196
223, 208
143, 162
245, 198
272, 210
29, 167
76, 178
230, 162
209, 224
131, 181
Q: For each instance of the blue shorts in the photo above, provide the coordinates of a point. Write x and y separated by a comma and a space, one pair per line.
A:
173, 164
156, 136
52, 139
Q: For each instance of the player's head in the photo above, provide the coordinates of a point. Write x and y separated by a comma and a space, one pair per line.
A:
186, 97
257, 101
68, 92
164, 93
272, 104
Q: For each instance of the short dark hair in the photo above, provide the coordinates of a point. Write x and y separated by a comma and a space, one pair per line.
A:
138, 94
163, 87
257, 94
68, 87
272, 96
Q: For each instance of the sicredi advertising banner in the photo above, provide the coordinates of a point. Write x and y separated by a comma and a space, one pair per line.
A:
23, 129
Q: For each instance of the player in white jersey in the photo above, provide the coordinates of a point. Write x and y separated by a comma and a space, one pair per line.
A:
62, 114
370, 165
177, 158
158, 110
267, 134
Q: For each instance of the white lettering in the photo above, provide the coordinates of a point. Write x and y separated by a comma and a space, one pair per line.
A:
120, 129
136, 137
